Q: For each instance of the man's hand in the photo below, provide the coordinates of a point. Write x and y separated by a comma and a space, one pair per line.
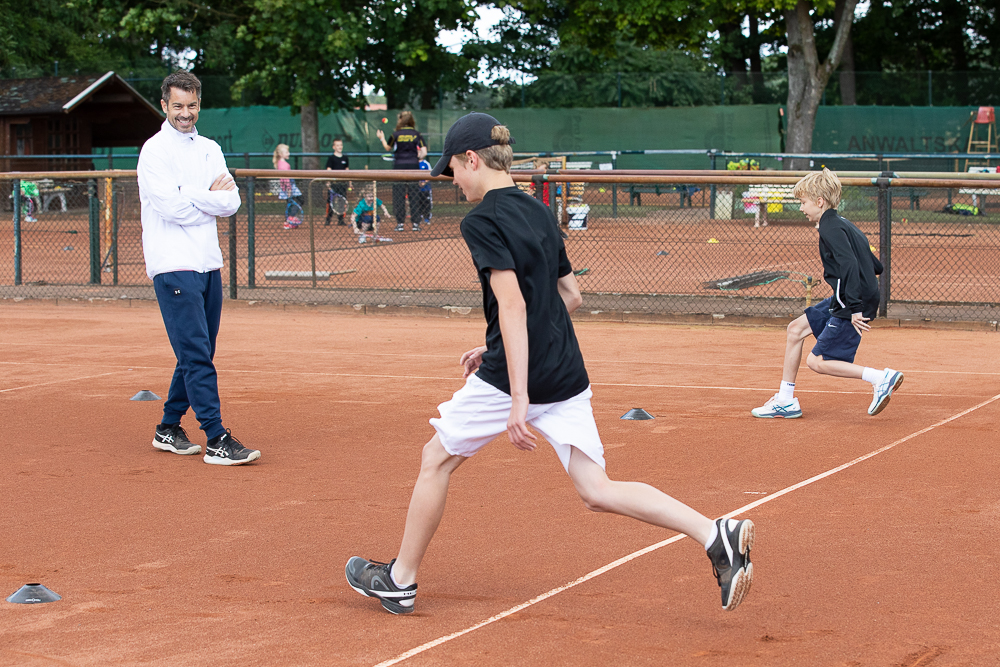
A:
223, 181
859, 321
472, 360
517, 429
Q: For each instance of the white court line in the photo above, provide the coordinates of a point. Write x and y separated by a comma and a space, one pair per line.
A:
368, 376
676, 538
42, 384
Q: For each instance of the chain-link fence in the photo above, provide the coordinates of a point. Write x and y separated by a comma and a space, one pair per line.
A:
684, 242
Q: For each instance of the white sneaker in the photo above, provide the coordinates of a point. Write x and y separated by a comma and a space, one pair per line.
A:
775, 408
883, 391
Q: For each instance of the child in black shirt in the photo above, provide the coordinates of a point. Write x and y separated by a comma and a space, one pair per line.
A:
337, 162
529, 372
838, 322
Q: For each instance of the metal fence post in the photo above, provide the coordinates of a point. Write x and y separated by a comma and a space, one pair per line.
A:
884, 241
232, 256
251, 225
114, 234
17, 231
614, 186
711, 200
95, 231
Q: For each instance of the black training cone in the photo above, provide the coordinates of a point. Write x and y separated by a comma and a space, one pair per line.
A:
637, 413
33, 594
145, 395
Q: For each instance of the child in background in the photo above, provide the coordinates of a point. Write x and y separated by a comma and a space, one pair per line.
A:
424, 200
361, 217
287, 189
337, 162
838, 322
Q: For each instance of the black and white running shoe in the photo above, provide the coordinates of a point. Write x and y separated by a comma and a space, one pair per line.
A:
371, 578
730, 556
228, 451
172, 438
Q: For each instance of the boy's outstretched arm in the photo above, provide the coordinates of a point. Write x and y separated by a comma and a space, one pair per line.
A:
514, 329
569, 290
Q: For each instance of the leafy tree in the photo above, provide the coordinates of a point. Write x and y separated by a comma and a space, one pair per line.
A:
575, 76
33, 38
687, 23
315, 55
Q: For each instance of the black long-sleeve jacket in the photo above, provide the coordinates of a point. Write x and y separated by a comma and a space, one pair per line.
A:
849, 267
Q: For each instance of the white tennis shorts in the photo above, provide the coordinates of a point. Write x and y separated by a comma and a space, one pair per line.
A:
478, 413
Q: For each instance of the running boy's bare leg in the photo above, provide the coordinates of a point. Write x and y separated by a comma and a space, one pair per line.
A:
798, 330
727, 542
634, 499
426, 508
834, 367
784, 404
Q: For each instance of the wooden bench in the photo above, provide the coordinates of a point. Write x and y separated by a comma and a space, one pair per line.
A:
686, 192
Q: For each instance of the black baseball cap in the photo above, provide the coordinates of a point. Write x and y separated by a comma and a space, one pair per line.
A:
472, 132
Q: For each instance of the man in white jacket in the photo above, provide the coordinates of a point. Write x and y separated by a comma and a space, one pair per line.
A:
183, 185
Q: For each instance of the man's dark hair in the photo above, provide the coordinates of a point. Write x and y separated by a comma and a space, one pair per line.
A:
186, 81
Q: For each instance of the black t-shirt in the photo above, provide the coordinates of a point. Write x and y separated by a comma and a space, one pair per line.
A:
406, 143
337, 163
509, 229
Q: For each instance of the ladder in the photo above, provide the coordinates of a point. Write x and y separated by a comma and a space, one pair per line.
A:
982, 136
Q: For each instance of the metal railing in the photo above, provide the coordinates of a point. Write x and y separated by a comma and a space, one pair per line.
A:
721, 243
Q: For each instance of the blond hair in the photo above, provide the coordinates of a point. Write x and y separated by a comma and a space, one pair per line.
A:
818, 184
279, 153
498, 157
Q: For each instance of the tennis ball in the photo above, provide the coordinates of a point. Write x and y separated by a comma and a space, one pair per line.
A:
384, 120
872, 248
601, 190
713, 240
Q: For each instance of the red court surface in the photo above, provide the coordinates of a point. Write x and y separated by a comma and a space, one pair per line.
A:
163, 560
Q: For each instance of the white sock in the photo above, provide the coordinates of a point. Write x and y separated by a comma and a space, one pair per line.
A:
712, 535
871, 375
392, 575
786, 391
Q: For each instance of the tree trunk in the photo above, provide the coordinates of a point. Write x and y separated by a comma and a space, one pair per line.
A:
310, 135
807, 77
848, 90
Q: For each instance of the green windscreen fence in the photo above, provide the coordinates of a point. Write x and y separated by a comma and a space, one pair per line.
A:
746, 128
934, 131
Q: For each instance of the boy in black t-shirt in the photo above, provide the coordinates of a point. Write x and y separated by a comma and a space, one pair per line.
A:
337, 162
529, 372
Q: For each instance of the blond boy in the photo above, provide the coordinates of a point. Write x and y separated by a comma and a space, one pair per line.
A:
838, 322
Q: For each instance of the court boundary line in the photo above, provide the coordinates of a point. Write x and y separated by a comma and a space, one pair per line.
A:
42, 384
456, 379
676, 538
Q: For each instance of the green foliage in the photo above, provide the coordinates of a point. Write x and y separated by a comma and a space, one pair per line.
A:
578, 77
34, 35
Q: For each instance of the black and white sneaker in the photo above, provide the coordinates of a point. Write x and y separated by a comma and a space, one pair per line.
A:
730, 556
371, 578
399, 227
172, 438
228, 451
416, 227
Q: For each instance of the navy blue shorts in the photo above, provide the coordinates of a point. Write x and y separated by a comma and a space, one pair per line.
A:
835, 338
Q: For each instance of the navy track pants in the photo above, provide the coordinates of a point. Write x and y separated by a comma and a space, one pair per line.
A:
191, 306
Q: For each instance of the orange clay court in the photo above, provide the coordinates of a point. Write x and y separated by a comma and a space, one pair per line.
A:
163, 560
